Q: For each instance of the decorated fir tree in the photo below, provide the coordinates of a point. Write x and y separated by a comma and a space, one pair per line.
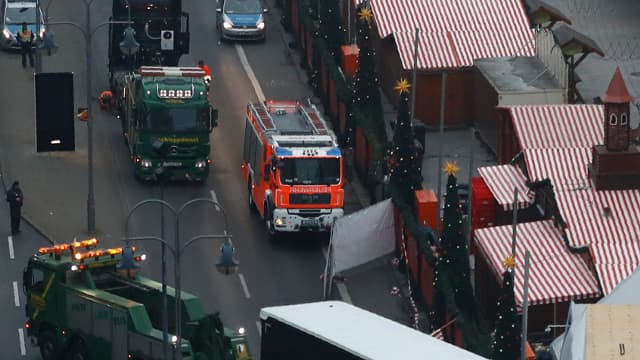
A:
508, 333
454, 252
366, 97
404, 164
331, 29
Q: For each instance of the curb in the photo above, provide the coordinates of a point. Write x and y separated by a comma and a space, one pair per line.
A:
23, 217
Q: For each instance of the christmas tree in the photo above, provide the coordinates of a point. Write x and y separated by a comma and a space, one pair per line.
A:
454, 252
508, 334
366, 96
331, 29
404, 165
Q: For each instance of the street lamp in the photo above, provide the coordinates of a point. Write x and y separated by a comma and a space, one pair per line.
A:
131, 47
226, 264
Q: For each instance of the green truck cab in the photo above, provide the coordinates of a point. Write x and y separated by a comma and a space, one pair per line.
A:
166, 121
80, 307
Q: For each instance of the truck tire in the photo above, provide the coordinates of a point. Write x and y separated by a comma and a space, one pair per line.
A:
272, 233
49, 348
252, 203
78, 351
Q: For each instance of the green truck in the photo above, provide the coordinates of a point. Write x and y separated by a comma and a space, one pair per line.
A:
166, 120
80, 307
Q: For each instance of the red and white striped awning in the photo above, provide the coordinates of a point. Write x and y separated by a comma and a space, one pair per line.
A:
454, 32
557, 141
558, 126
565, 167
555, 274
611, 275
602, 217
502, 180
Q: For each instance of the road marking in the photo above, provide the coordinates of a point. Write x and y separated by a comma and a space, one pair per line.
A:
16, 298
342, 288
245, 288
259, 327
10, 240
252, 76
214, 198
23, 349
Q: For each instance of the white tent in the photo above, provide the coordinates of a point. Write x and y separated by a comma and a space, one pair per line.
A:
571, 344
359, 238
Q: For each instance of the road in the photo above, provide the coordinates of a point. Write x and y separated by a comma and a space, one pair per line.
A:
269, 275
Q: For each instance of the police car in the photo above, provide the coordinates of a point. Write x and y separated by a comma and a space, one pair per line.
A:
241, 20
14, 13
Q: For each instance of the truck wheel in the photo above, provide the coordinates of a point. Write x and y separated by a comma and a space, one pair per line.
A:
252, 203
78, 351
48, 345
272, 233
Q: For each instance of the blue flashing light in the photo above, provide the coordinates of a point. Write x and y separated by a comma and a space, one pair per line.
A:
334, 152
283, 152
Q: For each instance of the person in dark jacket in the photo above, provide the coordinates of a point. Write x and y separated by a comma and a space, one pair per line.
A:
15, 198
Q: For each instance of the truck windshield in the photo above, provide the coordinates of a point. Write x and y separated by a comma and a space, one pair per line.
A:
310, 171
176, 119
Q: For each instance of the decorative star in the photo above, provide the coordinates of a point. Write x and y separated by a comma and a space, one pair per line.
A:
509, 262
451, 168
402, 86
365, 14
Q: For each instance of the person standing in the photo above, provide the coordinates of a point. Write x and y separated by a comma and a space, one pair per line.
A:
15, 198
25, 38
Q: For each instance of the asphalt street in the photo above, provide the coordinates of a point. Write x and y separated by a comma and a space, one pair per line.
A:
55, 184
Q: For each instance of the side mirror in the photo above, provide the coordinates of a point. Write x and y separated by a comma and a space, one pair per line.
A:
213, 118
219, 10
265, 10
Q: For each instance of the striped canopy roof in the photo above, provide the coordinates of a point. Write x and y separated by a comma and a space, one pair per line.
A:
556, 142
502, 180
454, 32
555, 274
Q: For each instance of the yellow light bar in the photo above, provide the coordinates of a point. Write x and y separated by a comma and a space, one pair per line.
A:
57, 249
98, 253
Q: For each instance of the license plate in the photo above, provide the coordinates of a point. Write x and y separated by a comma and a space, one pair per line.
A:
172, 164
310, 223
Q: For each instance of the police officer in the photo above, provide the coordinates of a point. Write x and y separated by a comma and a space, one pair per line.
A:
15, 198
25, 38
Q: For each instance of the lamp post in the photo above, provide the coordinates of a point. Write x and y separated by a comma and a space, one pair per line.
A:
226, 264
128, 46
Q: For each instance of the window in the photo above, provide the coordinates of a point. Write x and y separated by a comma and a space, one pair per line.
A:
242, 7
623, 119
613, 119
176, 119
247, 140
310, 171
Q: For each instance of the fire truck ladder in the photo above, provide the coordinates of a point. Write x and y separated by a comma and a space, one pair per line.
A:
263, 116
313, 119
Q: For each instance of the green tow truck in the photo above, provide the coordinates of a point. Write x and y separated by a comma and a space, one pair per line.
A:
81, 307
166, 121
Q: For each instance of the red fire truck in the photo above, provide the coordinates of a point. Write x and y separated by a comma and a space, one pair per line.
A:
293, 167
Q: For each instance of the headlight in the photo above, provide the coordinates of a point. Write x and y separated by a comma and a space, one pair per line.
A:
226, 22
260, 25
278, 221
201, 164
145, 163
6, 33
42, 30
241, 331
